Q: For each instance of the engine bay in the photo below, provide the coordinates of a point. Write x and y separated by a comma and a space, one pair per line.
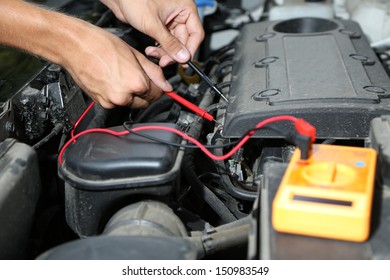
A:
79, 181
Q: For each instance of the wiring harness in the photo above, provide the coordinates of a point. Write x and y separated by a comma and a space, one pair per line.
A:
305, 136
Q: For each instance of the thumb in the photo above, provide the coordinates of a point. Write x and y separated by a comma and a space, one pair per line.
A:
172, 46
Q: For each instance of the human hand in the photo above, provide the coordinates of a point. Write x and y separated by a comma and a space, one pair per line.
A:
113, 73
174, 24
103, 65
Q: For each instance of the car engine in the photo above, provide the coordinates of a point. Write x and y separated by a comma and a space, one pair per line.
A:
82, 182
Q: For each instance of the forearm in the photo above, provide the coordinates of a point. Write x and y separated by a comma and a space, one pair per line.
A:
48, 34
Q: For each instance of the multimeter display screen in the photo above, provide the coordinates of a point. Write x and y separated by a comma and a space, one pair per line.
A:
322, 200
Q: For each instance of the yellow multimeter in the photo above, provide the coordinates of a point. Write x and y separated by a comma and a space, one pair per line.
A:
328, 195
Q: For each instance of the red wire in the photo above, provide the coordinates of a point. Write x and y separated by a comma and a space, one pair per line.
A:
81, 118
181, 134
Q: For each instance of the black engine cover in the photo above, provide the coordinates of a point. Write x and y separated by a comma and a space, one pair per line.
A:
321, 70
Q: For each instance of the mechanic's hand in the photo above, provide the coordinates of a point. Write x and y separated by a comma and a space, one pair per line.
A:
174, 24
103, 65
113, 73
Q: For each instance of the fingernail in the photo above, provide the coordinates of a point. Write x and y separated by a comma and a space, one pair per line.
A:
183, 55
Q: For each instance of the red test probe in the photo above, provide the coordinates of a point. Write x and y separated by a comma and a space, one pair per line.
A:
202, 113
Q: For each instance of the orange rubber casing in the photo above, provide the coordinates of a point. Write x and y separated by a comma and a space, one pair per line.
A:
329, 195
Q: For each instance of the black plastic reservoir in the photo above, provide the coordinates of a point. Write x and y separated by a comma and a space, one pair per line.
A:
103, 173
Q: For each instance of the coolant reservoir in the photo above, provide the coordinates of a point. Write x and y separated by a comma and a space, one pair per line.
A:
101, 171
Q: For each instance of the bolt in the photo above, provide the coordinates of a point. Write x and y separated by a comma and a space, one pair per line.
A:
375, 89
364, 59
264, 62
264, 37
265, 94
350, 33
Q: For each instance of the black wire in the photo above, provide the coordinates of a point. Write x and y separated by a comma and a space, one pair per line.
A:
219, 72
217, 106
220, 86
57, 129
224, 85
191, 146
219, 54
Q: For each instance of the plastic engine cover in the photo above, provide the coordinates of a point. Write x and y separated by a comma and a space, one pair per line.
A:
321, 70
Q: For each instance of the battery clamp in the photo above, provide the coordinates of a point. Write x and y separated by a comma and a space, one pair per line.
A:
329, 195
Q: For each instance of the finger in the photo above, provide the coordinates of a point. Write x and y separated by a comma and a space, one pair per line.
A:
171, 44
161, 55
155, 52
139, 102
165, 60
96, 96
153, 93
103, 100
154, 72
196, 34
181, 33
